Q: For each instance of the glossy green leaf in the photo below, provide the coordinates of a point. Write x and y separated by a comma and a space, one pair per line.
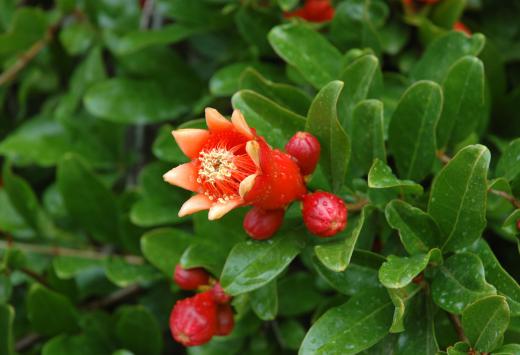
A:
511, 223
401, 298
50, 313
443, 52
458, 198
411, 135
67, 267
276, 123
297, 294
163, 248
264, 301
508, 349
397, 272
252, 264
210, 256
465, 104
315, 58
509, 163
348, 329
90, 203
322, 121
138, 331
73, 345
336, 255
485, 322
448, 12
164, 147
459, 282
123, 274
380, 176
417, 230
6, 329
362, 80
367, 136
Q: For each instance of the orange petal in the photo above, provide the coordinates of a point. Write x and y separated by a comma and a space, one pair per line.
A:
191, 140
215, 121
246, 185
220, 209
184, 176
240, 124
196, 203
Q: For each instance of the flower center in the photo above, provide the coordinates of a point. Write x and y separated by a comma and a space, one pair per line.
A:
216, 165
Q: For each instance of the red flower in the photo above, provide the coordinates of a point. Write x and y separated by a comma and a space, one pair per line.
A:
314, 11
232, 166
459, 26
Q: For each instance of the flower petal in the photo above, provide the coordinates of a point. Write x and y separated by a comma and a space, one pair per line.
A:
191, 140
196, 203
184, 176
246, 185
220, 209
253, 150
240, 124
215, 121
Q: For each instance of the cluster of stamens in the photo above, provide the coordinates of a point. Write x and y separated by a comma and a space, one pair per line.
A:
215, 172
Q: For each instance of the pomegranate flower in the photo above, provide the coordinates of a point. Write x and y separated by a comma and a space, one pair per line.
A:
314, 11
232, 166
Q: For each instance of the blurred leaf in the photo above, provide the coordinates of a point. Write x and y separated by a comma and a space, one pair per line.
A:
28, 26
264, 301
448, 12
5, 288
77, 37
381, 177
6, 329
291, 334
123, 274
411, 135
459, 282
508, 349
314, 57
164, 147
358, 324
67, 267
254, 26
297, 296
252, 264
138, 331
73, 345
398, 272
508, 165
458, 198
485, 321
323, 122
10, 220
50, 313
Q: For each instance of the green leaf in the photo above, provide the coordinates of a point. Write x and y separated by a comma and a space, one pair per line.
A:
289, 96
138, 331
448, 12
73, 345
443, 52
458, 198
50, 313
67, 267
264, 301
464, 104
163, 248
276, 123
207, 255
417, 230
291, 334
459, 282
121, 100
510, 225
497, 276
508, 349
322, 121
336, 256
77, 37
298, 295
485, 322
411, 135
28, 25
348, 329
315, 58
254, 26
123, 274
6, 288
508, 165
397, 272
380, 176
6, 329
367, 136
164, 147
90, 203
252, 264
401, 298
362, 80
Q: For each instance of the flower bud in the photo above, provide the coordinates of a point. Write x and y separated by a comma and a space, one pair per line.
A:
225, 320
261, 224
324, 214
305, 148
190, 279
193, 320
220, 295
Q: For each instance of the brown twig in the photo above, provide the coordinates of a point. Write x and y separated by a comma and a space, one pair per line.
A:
34, 275
357, 206
458, 327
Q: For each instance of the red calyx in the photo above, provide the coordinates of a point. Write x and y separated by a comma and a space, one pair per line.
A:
193, 320
225, 320
324, 214
305, 149
220, 295
190, 279
261, 224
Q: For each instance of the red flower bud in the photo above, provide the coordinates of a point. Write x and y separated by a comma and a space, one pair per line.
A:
193, 320
190, 279
220, 295
459, 26
225, 320
324, 214
305, 148
261, 224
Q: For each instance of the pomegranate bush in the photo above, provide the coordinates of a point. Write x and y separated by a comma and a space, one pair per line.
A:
259, 177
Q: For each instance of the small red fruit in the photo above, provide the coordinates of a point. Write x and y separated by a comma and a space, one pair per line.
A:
261, 224
220, 295
324, 214
225, 320
193, 320
305, 148
190, 279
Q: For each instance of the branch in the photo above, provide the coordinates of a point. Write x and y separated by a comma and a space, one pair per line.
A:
458, 327
357, 206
